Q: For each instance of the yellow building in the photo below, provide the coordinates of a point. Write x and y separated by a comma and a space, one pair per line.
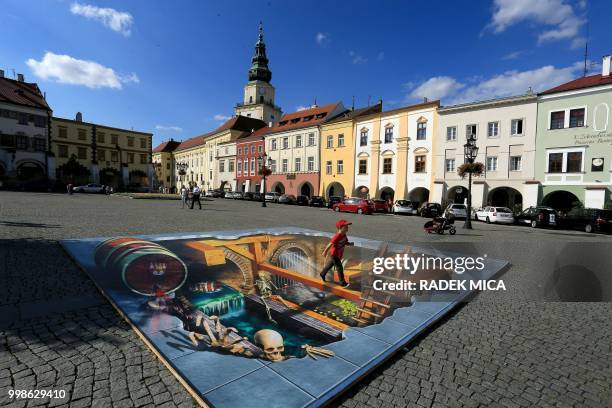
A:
164, 164
338, 152
93, 153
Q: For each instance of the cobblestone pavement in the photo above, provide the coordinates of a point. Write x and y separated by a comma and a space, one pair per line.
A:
502, 349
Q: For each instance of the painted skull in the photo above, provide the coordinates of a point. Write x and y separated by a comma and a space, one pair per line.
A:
272, 344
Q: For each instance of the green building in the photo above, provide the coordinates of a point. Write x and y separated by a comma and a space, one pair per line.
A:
574, 143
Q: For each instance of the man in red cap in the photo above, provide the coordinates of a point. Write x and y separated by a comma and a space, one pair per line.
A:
336, 250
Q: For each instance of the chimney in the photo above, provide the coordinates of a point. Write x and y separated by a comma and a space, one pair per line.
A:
79, 117
1, 73
605, 66
20, 77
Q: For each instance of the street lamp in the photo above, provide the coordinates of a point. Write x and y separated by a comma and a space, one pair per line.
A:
264, 172
470, 152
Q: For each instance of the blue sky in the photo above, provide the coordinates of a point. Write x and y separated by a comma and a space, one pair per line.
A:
177, 68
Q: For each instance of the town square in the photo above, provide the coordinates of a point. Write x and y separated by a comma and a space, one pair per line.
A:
299, 214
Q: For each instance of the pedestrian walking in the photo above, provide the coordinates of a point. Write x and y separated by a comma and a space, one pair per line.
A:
336, 252
196, 196
69, 188
183, 196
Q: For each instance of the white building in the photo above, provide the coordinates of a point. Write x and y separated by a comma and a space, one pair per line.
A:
225, 170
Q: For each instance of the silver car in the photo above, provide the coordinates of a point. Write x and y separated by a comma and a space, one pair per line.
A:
457, 210
404, 207
89, 188
273, 197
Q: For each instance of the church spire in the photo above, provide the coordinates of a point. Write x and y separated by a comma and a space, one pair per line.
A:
259, 70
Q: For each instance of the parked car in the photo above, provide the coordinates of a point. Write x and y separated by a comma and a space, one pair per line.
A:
287, 199
404, 207
430, 210
238, 195
209, 193
316, 201
538, 217
256, 196
272, 196
588, 220
380, 206
301, 200
248, 196
456, 210
355, 205
229, 194
501, 215
89, 188
333, 200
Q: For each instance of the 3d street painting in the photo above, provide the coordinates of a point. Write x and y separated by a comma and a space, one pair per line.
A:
243, 319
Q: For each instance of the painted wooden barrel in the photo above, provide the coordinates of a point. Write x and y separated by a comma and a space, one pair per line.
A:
144, 266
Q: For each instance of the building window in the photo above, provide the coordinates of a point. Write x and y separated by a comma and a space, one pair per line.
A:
39, 144
239, 169
516, 127
245, 168
493, 129
130, 141
557, 120
82, 153
389, 134
22, 119
574, 162
143, 159
515, 163
340, 167
492, 163
81, 134
273, 166
363, 138
230, 166
167, 166
252, 167
62, 132
419, 164
114, 139
311, 163
311, 139
470, 130
285, 142
240, 151
253, 149
221, 166
143, 143
273, 144
363, 166
130, 157
451, 133
298, 164
114, 156
330, 141
576, 117
102, 155
101, 137
450, 165
298, 141
328, 167
62, 150
340, 140
421, 130
285, 165
387, 165
260, 149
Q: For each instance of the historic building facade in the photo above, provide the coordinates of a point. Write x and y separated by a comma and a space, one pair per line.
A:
249, 155
505, 130
293, 148
574, 143
24, 132
338, 152
164, 164
225, 169
112, 156
393, 153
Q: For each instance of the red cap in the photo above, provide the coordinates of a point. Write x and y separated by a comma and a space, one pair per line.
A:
342, 223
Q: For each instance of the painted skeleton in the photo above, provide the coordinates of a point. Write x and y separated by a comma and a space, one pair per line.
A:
218, 336
266, 287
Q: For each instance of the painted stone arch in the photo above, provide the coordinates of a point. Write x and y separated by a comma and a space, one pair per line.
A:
386, 193
278, 187
243, 264
335, 189
419, 195
561, 200
362, 192
505, 197
306, 189
29, 169
456, 195
303, 250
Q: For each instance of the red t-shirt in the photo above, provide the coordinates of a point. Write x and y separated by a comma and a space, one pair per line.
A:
338, 242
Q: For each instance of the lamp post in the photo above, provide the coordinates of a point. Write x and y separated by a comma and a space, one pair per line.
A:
470, 152
263, 170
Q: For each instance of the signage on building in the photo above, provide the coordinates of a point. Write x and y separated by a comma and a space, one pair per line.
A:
593, 138
290, 176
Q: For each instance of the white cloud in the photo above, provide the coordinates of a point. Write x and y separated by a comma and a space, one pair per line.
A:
513, 55
356, 58
220, 117
436, 88
506, 84
301, 108
558, 15
118, 21
168, 128
321, 38
68, 70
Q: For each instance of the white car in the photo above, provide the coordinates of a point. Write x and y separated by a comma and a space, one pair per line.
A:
89, 188
404, 207
501, 215
273, 196
457, 210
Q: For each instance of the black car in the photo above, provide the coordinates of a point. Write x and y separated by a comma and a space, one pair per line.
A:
588, 220
430, 210
301, 200
333, 200
538, 217
257, 197
317, 201
248, 196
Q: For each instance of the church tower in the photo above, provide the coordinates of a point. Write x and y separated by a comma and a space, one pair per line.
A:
258, 100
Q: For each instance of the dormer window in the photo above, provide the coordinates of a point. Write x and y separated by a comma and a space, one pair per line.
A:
308, 118
282, 123
295, 120
321, 115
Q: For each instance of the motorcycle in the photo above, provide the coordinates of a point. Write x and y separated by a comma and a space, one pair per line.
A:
441, 224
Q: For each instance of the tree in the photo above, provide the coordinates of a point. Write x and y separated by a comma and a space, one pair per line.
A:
477, 169
264, 171
72, 170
